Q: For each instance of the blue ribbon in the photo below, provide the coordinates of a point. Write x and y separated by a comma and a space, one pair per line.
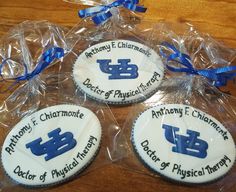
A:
47, 58
102, 13
219, 76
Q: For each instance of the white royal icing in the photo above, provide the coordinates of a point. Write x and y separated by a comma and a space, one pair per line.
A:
51, 145
183, 143
118, 72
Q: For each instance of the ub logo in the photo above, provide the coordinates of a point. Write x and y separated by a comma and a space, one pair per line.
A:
57, 145
122, 70
188, 145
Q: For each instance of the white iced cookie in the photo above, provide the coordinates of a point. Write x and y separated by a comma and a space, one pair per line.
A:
183, 143
118, 72
51, 145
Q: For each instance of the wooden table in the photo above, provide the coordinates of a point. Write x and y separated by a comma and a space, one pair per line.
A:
216, 17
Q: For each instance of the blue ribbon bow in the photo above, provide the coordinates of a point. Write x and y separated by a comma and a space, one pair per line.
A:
219, 76
47, 58
102, 13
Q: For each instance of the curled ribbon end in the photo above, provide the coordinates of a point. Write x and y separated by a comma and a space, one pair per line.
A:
136, 8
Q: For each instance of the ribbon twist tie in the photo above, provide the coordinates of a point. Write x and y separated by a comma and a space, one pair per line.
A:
47, 58
219, 76
102, 13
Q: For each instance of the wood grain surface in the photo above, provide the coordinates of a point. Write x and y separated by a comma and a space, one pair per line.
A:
216, 17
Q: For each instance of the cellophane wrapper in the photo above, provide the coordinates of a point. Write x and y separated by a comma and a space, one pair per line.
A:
205, 51
121, 27
192, 91
25, 44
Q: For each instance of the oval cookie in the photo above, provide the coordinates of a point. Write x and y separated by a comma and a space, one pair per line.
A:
118, 72
51, 145
183, 143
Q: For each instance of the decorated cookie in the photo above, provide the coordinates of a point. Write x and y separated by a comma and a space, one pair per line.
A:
183, 143
118, 72
51, 145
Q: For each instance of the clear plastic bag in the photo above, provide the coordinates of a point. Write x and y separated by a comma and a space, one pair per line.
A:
21, 52
112, 59
202, 51
99, 50
40, 102
205, 51
160, 142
